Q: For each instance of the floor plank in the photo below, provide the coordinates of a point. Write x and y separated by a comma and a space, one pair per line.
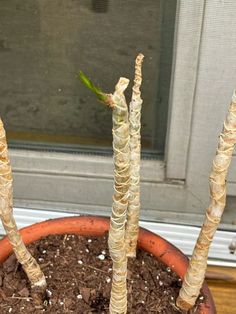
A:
222, 283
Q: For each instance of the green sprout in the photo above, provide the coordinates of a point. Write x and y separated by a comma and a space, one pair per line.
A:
103, 97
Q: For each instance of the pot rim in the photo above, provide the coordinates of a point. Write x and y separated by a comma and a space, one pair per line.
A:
96, 225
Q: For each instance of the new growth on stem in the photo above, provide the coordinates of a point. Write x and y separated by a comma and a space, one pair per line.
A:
194, 277
121, 148
28, 263
102, 97
122, 238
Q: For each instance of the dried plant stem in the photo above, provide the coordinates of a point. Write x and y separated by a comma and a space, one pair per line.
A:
116, 239
133, 212
29, 264
194, 277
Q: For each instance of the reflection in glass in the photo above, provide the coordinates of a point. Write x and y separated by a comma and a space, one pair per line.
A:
43, 44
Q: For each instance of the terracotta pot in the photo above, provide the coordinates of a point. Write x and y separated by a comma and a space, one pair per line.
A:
96, 226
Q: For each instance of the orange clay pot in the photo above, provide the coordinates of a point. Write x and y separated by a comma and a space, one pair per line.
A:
97, 226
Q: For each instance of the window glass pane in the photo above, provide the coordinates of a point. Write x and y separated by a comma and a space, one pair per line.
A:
229, 216
43, 44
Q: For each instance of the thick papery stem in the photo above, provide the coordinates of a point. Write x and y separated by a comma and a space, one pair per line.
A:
29, 264
116, 239
194, 277
133, 212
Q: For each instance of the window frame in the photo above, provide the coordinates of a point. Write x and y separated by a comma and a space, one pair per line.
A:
171, 191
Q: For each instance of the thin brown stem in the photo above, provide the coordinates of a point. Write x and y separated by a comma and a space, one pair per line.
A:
28, 263
194, 277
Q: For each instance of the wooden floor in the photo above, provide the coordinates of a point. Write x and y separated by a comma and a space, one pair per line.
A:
222, 283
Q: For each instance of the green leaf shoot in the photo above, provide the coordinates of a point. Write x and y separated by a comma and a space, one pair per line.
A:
96, 90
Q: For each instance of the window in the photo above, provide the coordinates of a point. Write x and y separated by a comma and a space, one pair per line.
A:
186, 91
44, 45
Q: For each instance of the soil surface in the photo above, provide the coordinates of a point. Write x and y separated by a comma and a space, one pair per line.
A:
78, 272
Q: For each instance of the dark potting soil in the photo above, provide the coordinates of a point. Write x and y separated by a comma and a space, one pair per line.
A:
78, 272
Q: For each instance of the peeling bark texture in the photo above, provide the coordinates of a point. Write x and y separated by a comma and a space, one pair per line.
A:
194, 277
116, 239
28, 263
133, 212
